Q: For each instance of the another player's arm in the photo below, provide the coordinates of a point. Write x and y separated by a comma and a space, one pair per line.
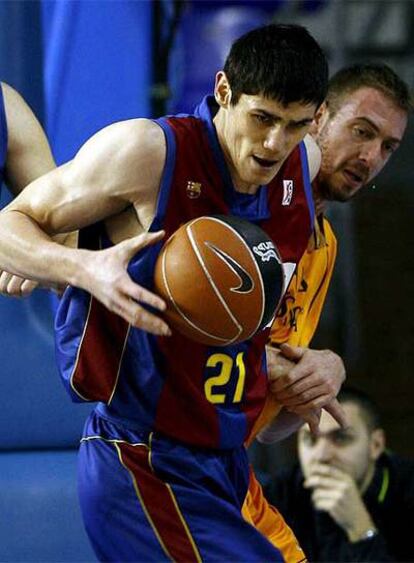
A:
118, 167
28, 157
28, 152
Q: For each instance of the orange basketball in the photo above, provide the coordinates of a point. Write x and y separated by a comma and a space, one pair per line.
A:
222, 279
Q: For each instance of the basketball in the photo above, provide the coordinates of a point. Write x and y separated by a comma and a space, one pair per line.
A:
222, 279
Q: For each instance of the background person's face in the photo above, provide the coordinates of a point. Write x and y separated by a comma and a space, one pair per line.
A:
357, 142
352, 450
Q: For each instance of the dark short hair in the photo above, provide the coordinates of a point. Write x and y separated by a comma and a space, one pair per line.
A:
367, 406
372, 75
280, 62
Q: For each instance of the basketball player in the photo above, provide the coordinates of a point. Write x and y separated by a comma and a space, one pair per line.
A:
163, 471
24, 156
358, 128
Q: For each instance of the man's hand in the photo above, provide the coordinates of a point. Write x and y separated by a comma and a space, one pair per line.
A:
279, 367
312, 383
105, 277
335, 492
14, 286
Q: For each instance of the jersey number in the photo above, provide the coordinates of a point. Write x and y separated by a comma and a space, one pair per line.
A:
216, 383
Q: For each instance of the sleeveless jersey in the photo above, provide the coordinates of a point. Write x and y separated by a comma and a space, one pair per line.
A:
3, 138
146, 382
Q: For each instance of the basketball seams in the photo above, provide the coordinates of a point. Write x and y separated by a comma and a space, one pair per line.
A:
176, 307
252, 256
211, 281
199, 243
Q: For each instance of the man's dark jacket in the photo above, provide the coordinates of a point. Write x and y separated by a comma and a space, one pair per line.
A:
389, 499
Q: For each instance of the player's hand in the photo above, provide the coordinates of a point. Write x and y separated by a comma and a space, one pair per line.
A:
15, 286
336, 492
313, 383
278, 366
107, 279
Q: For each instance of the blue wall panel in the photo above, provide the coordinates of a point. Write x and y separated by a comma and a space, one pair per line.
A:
97, 58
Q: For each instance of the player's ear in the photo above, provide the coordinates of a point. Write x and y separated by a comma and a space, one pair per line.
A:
320, 119
222, 90
377, 445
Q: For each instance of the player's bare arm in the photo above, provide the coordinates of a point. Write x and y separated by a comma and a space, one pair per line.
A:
120, 167
28, 152
28, 157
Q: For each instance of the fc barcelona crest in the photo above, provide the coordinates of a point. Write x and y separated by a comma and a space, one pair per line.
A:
193, 189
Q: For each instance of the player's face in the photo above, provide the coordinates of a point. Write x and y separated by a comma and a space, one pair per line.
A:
258, 134
352, 450
357, 142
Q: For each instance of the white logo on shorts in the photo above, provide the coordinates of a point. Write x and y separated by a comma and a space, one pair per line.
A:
287, 192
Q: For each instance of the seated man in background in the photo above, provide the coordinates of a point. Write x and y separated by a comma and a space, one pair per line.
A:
349, 499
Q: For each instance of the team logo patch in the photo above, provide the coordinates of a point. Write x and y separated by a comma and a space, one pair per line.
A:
193, 189
287, 192
266, 251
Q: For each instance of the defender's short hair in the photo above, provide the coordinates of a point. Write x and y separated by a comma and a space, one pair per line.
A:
371, 75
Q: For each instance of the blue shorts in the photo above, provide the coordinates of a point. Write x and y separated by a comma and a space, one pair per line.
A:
147, 498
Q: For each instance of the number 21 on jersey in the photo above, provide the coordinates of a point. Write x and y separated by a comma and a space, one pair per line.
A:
227, 383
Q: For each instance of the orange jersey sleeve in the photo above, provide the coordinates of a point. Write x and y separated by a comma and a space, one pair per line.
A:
270, 522
301, 307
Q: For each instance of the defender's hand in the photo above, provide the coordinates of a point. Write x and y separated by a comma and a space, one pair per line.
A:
105, 276
313, 383
278, 366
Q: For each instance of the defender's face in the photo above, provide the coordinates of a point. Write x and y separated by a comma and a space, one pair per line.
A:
258, 134
352, 450
357, 142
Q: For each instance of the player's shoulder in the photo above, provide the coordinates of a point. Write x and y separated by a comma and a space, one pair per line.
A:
141, 131
133, 144
314, 156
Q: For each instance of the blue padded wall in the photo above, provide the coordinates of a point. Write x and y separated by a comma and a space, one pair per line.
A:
36, 411
40, 517
97, 67
204, 37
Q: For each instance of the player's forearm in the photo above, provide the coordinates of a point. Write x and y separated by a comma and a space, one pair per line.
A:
283, 425
27, 251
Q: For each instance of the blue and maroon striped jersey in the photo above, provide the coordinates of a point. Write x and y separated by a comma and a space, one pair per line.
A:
200, 395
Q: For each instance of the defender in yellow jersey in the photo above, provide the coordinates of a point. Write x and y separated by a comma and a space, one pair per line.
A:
357, 130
